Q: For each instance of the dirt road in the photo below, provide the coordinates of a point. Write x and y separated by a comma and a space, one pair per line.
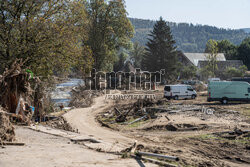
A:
83, 119
47, 150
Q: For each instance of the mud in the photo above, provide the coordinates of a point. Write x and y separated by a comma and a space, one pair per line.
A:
177, 127
192, 130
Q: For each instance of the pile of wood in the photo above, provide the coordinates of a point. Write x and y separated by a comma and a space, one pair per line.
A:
15, 90
7, 132
141, 109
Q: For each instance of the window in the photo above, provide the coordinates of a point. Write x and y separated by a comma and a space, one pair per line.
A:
190, 88
248, 90
167, 88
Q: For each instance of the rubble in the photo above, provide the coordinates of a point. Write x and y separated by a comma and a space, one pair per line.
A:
234, 135
60, 123
82, 98
7, 131
16, 92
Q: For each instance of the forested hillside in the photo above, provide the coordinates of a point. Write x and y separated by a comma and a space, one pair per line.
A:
188, 37
247, 30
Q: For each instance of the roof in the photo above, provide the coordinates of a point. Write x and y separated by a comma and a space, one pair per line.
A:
222, 65
194, 58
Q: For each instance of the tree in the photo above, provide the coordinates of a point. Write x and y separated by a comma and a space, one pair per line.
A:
229, 49
188, 72
120, 63
189, 38
212, 49
244, 52
137, 54
109, 30
84, 60
205, 73
160, 51
45, 33
233, 72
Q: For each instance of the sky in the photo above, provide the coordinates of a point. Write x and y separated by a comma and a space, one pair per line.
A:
233, 14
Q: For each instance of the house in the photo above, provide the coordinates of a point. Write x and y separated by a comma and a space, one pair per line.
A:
194, 58
200, 60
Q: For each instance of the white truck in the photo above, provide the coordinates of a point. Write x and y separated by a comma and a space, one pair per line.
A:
179, 92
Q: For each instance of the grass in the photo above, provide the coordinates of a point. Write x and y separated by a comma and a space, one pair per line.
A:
246, 112
137, 124
245, 140
205, 137
107, 119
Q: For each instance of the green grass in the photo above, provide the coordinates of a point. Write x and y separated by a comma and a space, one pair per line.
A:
137, 124
245, 140
246, 112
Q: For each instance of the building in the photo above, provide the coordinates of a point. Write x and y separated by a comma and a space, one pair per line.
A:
194, 58
200, 60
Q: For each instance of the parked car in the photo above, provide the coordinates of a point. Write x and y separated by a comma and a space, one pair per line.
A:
225, 91
191, 82
179, 92
213, 79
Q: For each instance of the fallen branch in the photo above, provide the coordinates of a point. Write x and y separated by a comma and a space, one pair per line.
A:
172, 158
13, 144
117, 111
138, 119
155, 161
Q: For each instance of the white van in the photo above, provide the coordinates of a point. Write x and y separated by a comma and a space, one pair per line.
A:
213, 79
179, 92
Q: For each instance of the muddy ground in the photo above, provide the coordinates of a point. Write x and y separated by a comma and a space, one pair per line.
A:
198, 132
42, 149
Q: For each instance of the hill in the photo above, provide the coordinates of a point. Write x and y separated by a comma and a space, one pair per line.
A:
247, 30
188, 37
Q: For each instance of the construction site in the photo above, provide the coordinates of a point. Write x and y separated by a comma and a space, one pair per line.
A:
87, 129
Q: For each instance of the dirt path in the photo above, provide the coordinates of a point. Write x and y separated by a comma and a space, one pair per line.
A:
83, 119
51, 151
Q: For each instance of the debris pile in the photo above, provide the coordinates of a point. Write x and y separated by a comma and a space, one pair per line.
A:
60, 123
15, 91
82, 98
142, 109
234, 135
16, 94
7, 132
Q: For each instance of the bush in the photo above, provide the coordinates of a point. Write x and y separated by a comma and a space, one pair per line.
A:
233, 72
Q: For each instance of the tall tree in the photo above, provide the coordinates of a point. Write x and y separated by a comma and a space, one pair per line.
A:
109, 30
121, 61
45, 33
212, 49
229, 49
244, 52
42, 32
137, 54
160, 51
